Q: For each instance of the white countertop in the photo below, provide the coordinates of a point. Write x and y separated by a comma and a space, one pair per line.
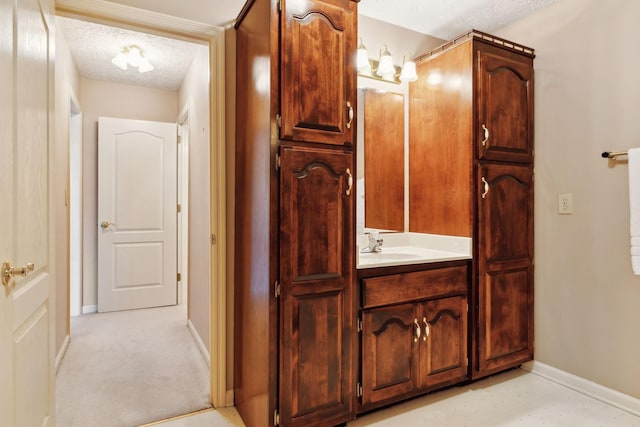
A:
413, 248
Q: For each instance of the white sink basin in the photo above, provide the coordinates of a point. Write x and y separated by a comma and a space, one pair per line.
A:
401, 255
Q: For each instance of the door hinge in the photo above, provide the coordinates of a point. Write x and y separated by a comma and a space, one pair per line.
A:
179, 208
276, 291
179, 139
467, 307
214, 239
179, 277
278, 163
279, 120
276, 418
358, 390
279, 4
359, 325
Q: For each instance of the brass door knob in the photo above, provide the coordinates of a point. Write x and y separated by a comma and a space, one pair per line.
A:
8, 272
106, 224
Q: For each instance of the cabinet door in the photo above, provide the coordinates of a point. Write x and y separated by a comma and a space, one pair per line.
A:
316, 271
318, 97
505, 106
443, 357
389, 353
505, 266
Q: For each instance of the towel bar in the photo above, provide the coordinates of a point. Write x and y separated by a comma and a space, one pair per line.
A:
613, 154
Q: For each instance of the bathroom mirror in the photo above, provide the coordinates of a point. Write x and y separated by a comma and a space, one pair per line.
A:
381, 159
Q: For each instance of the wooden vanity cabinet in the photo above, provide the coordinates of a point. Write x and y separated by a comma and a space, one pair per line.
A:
413, 332
471, 175
295, 313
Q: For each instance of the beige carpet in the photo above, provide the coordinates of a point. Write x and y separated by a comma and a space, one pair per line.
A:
128, 368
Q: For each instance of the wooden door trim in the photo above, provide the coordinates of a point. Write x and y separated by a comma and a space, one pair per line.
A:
214, 37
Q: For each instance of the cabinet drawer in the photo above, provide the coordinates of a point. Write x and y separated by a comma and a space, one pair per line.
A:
406, 287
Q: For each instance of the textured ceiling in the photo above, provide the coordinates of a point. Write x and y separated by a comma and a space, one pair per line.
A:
446, 19
93, 46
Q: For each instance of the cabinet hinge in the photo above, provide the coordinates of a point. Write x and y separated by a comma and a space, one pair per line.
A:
179, 277
277, 161
359, 325
358, 390
179, 209
276, 418
276, 291
467, 308
214, 239
279, 117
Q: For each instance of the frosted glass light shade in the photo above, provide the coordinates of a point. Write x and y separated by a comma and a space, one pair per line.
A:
385, 67
408, 73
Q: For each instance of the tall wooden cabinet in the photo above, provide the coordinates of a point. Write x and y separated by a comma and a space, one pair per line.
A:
471, 174
294, 211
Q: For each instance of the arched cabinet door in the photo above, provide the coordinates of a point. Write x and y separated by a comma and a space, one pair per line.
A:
316, 274
318, 79
505, 266
504, 130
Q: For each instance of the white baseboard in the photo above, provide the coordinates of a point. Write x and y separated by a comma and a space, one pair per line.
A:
88, 309
62, 352
203, 348
589, 388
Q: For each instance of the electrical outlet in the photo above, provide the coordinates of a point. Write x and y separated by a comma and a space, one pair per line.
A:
565, 204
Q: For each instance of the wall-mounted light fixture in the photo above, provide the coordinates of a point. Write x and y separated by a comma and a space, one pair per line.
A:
134, 56
383, 68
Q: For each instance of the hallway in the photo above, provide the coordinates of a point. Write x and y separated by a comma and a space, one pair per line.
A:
130, 367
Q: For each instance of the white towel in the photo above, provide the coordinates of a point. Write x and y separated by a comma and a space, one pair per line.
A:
634, 206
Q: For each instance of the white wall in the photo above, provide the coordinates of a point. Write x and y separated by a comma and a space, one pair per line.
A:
194, 95
107, 99
67, 85
586, 93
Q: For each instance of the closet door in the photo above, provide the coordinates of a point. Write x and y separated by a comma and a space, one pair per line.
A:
505, 266
316, 270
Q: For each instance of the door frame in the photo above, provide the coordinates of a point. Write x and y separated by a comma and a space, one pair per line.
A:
214, 37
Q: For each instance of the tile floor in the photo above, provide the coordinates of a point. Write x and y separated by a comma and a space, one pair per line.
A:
514, 398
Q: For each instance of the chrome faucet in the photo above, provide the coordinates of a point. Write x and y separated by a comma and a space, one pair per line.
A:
375, 242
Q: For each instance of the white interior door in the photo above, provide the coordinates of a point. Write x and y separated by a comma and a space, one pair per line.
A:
26, 322
137, 214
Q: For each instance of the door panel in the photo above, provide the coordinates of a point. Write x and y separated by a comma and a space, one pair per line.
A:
389, 353
505, 267
26, 323
445, 356
316, 286
137, 195
315, 92
505, 98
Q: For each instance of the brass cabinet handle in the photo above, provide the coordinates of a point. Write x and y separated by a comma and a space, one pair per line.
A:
349, 182
486, 188
349, 114
8, 272
486, 135
106, 224
427, 329
418, 330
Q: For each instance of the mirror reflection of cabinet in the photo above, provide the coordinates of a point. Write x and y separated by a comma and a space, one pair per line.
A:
382, 142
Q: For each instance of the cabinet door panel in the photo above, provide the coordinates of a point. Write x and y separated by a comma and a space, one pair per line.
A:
507, 328
505, 101
505, 213
505, 267
316, 286
444, 355
318, 78
389, 353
